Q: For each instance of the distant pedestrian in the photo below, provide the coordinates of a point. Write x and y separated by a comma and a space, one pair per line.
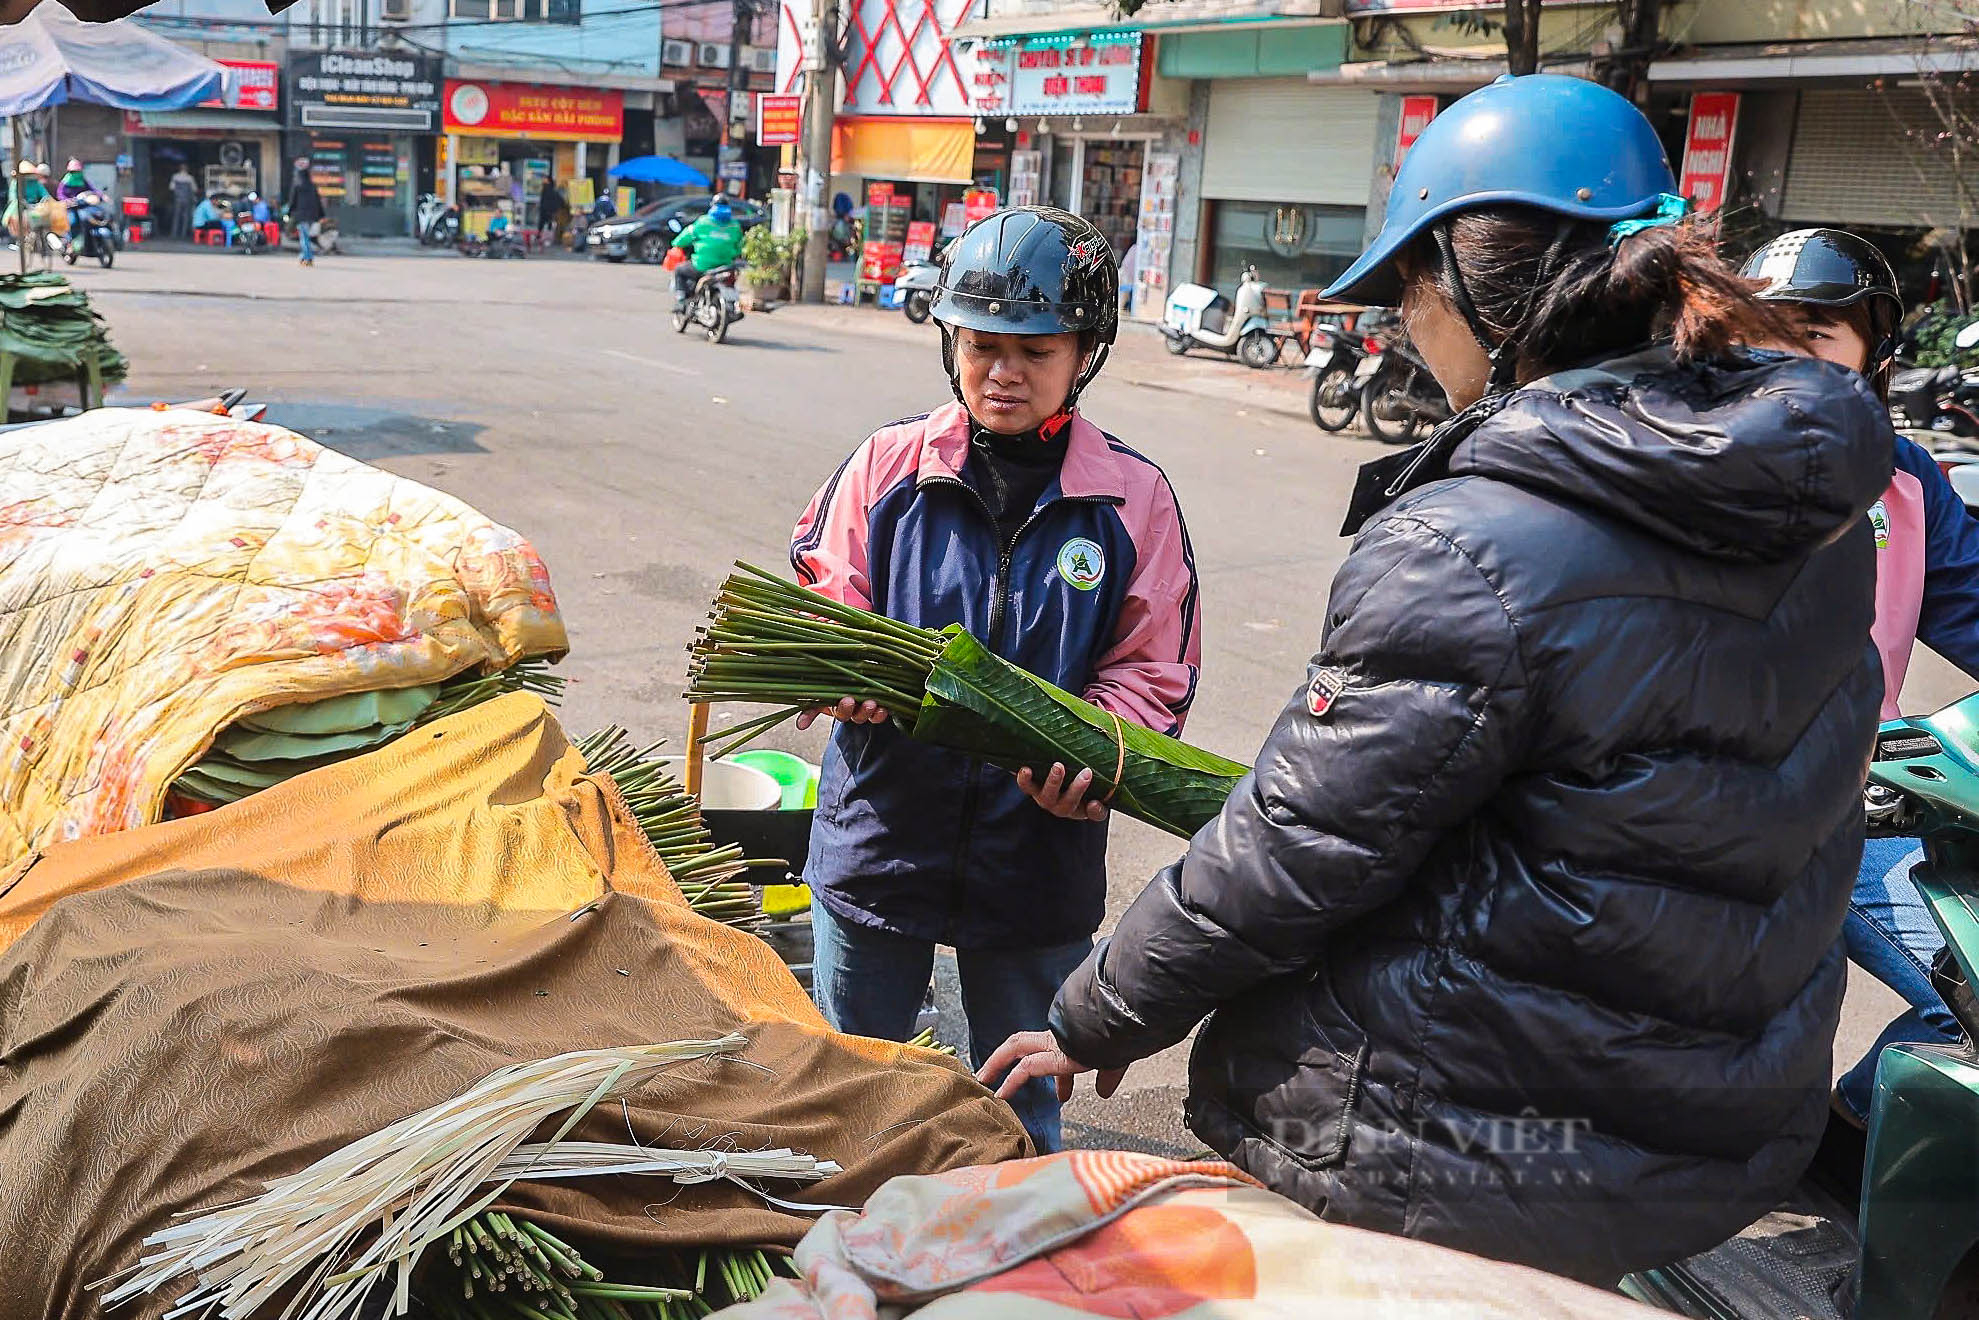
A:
305, 208
1130, 272
185, 196
550, 212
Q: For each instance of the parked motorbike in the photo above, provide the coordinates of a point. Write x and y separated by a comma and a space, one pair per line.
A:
1332, 363
1935, 402
439, 223
714, 304
916, 283
1399, 396
90, 231
1907, 1252
1199, 316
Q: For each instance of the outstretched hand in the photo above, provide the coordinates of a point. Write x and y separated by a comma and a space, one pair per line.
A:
849, 709
1032, 1054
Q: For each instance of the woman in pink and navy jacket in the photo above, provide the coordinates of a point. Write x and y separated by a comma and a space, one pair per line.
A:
1927, 589
1011, 514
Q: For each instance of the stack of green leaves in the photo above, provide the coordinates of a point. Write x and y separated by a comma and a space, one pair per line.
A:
47, 324
261, 750
500, 1267
771, 641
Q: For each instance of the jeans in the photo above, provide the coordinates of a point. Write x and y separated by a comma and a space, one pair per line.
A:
1890, 934
871, 982
181, 219
305, 235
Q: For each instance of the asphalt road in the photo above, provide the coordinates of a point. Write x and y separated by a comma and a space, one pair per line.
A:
553, 395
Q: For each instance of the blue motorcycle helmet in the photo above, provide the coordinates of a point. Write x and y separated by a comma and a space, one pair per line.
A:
1544, 140
720, 211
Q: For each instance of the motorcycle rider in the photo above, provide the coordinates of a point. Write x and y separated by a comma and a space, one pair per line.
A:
1496, 948
711, 242
73, 181
1846, 306
1011, 514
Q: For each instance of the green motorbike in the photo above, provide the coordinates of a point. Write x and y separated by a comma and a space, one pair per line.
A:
1912, 1250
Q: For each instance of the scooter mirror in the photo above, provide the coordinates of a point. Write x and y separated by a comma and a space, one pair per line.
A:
1968, 338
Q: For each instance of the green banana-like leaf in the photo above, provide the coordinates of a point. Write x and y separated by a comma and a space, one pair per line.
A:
983, 705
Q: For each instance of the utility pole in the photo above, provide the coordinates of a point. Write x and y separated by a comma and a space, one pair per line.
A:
814, 162
737, 127
1522, 36
1641, 27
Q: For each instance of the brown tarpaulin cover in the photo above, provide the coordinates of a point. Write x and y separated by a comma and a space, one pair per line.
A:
189, 1009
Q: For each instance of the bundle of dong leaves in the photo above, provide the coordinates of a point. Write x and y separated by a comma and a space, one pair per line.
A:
47, 325
263, 749
773, 642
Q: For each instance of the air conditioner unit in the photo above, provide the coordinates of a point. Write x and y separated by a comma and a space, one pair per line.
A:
395, 11
762, 61
679, 53
711, 55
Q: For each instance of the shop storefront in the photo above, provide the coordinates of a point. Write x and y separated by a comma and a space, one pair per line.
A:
1094, 142
503, 140
366, 121
900, 175
229, 150
1285, 177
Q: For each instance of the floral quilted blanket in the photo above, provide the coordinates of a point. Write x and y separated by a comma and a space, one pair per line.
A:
163, 573
1119, 1234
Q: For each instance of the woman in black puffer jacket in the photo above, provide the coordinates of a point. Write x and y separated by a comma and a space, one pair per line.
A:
1522, 935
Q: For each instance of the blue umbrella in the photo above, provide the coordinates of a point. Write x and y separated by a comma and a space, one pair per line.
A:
659, 169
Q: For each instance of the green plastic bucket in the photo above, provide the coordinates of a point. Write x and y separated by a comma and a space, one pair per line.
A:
797, 777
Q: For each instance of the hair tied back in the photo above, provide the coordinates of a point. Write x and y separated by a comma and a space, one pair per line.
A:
1670, 208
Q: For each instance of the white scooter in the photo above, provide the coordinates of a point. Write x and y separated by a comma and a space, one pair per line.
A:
1199, 316
915, 286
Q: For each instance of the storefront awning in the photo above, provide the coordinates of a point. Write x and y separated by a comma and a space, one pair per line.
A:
225, 121
1807, 61
909, 150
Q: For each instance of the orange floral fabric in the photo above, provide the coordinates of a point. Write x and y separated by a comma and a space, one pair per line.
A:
164, 573
1126, 1236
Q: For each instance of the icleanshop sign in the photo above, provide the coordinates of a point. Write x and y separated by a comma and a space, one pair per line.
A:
1707, 172
1100, 75
364, 90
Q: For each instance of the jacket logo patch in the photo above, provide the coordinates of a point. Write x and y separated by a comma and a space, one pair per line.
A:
1081, 563
1879, 518
1324, 690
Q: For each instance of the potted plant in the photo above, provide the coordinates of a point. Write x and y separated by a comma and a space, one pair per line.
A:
769, 261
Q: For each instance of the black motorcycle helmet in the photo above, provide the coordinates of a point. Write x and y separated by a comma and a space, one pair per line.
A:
1030, 270
1834, 268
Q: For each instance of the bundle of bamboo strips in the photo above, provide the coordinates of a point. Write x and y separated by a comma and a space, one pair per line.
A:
363, 1215
710, 875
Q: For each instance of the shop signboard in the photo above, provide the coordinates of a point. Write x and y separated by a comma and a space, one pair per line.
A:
534, 111
920, 245
1061, 76
778, 119
989, 77
364, 90
898, 58
1707, 172
733, 171
1417, 111
886, 233
260, 87
976, 204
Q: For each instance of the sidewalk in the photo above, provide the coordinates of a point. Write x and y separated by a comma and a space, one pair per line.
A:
1140, 357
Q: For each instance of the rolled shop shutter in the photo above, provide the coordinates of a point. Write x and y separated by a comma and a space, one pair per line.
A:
1285, 140
1868, 158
